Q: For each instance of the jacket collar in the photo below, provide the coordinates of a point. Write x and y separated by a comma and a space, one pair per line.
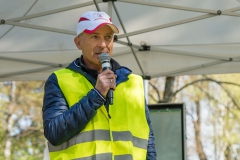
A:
78, 66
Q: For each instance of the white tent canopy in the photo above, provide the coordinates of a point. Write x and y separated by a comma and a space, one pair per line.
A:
157, 38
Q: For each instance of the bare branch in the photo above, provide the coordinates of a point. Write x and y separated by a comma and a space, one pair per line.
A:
212, 80
226, 90
153, 98
156, 89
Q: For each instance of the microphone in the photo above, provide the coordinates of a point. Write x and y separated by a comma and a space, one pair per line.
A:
105, 60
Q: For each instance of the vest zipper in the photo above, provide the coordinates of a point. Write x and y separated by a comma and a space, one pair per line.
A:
109, 116
107, 108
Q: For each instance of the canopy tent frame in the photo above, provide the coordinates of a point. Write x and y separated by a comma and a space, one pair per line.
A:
133, 47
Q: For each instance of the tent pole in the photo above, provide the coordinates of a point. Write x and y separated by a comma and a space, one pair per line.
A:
110, 8
215, 12
96, 4
52, 11
192, 19
128, 40
197, 67
146, 89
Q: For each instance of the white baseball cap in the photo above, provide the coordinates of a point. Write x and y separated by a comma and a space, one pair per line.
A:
90, 21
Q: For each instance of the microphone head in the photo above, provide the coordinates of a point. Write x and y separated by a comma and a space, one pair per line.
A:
104, 57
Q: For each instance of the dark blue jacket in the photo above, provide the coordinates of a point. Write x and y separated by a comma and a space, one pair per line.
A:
61, 122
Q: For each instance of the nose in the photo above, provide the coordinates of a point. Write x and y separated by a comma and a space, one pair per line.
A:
103, 44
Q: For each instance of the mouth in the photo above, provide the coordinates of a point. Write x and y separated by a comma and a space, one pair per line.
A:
98, 56
99, 53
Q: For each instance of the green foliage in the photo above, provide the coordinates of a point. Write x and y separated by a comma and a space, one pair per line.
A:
21, 120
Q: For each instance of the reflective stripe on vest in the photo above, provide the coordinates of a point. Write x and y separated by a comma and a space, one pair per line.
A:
106, 156
104, 137
96, 135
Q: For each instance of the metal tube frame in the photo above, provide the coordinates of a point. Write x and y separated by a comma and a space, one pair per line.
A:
210, 13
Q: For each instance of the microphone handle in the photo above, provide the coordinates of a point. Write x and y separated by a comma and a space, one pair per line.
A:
110, 96
110, 91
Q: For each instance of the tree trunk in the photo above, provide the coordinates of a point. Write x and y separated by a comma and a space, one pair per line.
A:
168, 90
8, 143
228, 153
197, 127
10, 122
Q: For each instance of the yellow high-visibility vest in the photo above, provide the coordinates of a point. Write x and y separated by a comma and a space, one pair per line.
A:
124, 136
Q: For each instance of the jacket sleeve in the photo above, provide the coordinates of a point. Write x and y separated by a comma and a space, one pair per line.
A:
61, 123
151, 150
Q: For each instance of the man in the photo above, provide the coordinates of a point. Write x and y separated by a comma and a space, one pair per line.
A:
79, 122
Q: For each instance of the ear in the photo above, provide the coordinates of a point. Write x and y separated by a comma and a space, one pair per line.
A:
77, 41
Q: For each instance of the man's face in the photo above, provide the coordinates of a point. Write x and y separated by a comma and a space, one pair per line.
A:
92, 45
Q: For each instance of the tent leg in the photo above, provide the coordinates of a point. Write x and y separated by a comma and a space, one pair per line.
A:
146, 89
110, 8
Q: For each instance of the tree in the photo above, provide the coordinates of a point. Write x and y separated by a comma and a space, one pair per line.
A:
21, 120
214, 95
213, 114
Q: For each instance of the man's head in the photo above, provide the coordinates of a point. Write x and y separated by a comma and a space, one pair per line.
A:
95, 33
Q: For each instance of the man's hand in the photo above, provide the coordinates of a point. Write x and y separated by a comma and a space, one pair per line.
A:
105, 81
